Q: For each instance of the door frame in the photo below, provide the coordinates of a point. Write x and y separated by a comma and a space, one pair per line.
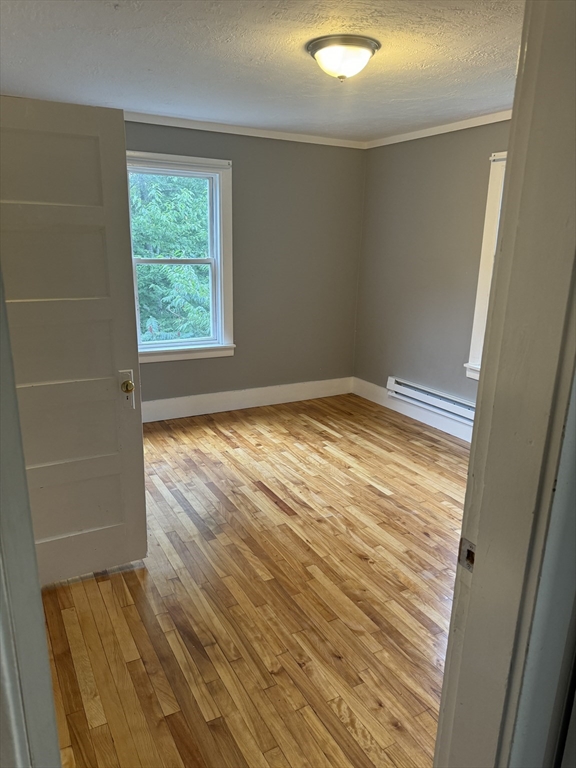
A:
527, 372
28, 722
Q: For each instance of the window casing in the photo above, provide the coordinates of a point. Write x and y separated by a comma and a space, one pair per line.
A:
188, 270
489, 243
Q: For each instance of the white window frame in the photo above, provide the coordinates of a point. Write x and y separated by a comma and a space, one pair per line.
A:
221, 344
489, 242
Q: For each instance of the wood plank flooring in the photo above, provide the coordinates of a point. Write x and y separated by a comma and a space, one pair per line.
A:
293, 608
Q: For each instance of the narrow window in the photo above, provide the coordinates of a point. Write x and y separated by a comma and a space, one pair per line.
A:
180, 217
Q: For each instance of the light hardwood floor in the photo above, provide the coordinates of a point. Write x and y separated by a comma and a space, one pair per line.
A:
294, 604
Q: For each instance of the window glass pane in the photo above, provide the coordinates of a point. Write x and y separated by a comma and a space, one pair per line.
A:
174, 302
169, 216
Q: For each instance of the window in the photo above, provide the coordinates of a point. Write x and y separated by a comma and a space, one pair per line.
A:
489, 242
181, 224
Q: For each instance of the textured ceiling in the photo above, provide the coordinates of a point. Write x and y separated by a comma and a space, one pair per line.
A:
242, 62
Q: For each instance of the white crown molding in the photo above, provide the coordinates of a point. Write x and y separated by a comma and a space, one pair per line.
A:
473, 122
240, 130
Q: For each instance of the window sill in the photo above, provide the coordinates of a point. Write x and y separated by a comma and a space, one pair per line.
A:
191, 353
472, 370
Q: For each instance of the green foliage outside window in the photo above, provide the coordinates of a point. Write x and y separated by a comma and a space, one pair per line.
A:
169, 219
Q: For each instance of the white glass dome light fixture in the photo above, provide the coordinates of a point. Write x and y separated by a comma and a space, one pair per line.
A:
342, 56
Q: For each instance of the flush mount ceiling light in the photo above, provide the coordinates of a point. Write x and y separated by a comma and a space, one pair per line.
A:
342, 56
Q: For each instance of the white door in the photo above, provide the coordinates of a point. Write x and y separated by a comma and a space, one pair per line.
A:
66, 262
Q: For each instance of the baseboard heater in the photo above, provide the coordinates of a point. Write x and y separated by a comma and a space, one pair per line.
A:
446, 405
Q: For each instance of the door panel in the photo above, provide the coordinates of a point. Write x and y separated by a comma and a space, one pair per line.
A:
73, 506
81, 268
69, 288
68, 420
84, 351
33, 164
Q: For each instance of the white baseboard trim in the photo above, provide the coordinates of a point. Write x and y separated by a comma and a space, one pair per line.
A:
216, 402
380, 395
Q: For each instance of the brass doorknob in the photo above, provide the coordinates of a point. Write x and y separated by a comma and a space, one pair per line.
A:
127, 386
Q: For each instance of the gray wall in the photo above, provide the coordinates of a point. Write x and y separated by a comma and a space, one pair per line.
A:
424, 214
297, 217
345, 261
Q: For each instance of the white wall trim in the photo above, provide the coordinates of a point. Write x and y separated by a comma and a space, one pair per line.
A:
488, 251
216, 402
472, 371
380, 395
239, 130
460, 125
262, 133
187, 353
219, 258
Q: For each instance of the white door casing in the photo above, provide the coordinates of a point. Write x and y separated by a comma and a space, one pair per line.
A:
28, 735
66, 262
527, 372
489, 242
